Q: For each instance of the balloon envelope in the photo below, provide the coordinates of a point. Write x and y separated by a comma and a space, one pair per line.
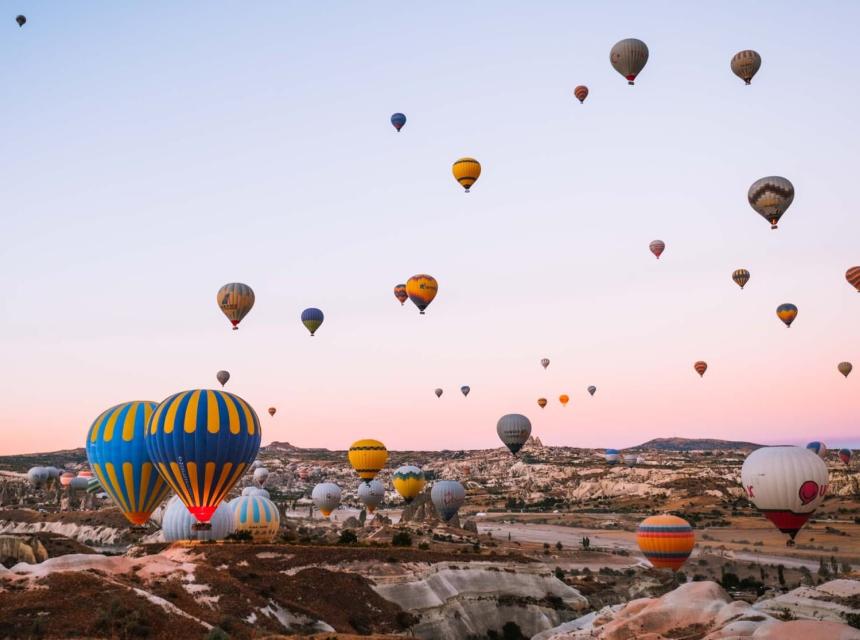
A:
178, 523
770, 197
118, 454
312, 318
421, 289
447, 496
787, 313
222, 377
257, 515
845, 368
853, 277
818, 448
326, 497
465, 389
235, 300
701, 366
272, 411
261, 474
581, 93
371, 494
741, 277
367, 457
438, 392
657, 247
466, 171
21, 20
514, 430
628, 57
745, 64
544, 362
666, 541
37, 476
398, 120
541, 402
564, 399
612, 456
408, 481
845, 456
202, 441
400, 293
592, 389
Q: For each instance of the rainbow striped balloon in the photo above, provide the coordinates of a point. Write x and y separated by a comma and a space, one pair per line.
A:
666, 541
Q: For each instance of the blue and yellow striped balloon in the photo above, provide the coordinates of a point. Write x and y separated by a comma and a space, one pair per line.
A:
202, 441
258, 516
116, 450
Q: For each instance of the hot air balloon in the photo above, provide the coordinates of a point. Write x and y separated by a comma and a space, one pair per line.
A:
272, 411
666, 541
66, 478
408, 481
541, 402
771, 197
741, 277
845, 456
93, 485
79, 484
86, 473
257, 515
438, 392
630, 459
466, 171
312, 318
202, 441
853, 277
259, 491
701, 366
261, 474
371, 494
38, 476
745, 64
612, 456
581, 93
657, 247
326, 497
53, 475
400, 293
786, 312
818, 448
21, 20
564, 399
592, 389
465, 389
117, 452
544, 363
447, 496
249, 491
628, 57
236, 300
367, 457
514, 430
222, 377
178, 523
787, 484
398, 120
421, 289
845, 368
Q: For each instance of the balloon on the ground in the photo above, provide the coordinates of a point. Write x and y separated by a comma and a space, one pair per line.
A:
544, 362
222, 377
261, 474
818, 448
398, 120
438, 392
466, 171
741, 277
657, 247
371, 494
592, 390
447, 496
630, 459
745, 64
93, 485
612, 456
37, 476
845, 456
700, 366
541, 402
66, 478
258, 516
465, 389
787, 484
249, 490
79, 483
853, 277
326, 497
421, 289
845, 368
400, 293
235, 300
312, 318
581, 93
202, 441
259, 491
786, 312
408, 481
564, 399
770, 197
117, 452
666, 541
178, 523
367, 457
514, 430
628, 57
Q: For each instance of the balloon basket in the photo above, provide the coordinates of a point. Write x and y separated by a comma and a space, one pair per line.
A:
201, 526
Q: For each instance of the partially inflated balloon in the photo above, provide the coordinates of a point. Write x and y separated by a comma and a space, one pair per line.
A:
544, 362
853, 277
222, 377
581, 93
701, 366
564, 399
421, 289
447, 496
326, 497
202, 441
745, 64
438, 392
741, 277
398, 120
628, 57
408, 481
845, 456
818, 448
371, 494
466, 171
787, 313
770, 197
845, 368
541, 402
465, 389
117, 452
514, 430
657, 247
272, 411
235, 300
666, 541
367, 457
592, 389
400, 293
38, 476
787, 484
312, 318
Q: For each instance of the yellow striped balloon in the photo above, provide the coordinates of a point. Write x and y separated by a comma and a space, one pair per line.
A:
741, 277
117, 453
258, 516
235, 300
466, 171
367, 457
202, 441
408, 481
666, 541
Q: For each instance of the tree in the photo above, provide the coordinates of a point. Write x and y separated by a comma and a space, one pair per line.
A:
823, 570
780, 575
559, 573
585, 542
834, 566
347, 536
559, 546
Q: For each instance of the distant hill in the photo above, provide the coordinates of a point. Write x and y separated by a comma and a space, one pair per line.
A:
286, 446
700, 444
59, 459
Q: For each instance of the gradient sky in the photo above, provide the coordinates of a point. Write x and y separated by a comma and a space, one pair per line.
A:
155, 151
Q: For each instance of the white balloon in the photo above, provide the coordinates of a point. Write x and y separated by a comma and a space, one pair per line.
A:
371, 494
177, 523
447, 496
326, 497
260, 476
